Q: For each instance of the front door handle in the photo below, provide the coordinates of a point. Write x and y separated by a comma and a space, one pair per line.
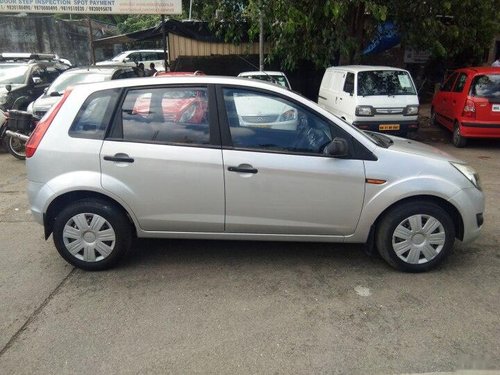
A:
120, 158
243, 169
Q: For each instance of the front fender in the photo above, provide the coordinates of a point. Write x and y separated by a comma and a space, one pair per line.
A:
380, 197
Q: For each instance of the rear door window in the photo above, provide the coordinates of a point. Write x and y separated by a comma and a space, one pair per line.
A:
177, 115
459, 86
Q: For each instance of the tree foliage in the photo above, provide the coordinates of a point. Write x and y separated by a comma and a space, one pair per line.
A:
320, 30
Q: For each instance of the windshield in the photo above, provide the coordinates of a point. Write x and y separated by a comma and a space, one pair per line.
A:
385, 82
14, 74
271, 78
71, 79
119, 57
486, 86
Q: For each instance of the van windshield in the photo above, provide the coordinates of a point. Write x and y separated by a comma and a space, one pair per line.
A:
385, 82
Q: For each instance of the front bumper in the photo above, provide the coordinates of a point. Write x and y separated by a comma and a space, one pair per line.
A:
470, 204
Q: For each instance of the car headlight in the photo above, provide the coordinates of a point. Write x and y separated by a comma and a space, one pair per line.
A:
289, 115
469, 173
364, 110
411, 110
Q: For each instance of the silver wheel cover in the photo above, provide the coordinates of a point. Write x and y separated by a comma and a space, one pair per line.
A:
89, 237
418, 239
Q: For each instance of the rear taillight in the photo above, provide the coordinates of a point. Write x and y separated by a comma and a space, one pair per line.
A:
469, 109
43, 125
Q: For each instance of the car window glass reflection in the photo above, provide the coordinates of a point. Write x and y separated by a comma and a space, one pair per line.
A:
171, 115
266, 122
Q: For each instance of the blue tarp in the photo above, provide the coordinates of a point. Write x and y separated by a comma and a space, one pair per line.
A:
386, 37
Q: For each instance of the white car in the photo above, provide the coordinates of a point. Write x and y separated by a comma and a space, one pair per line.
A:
135, 57
269, 76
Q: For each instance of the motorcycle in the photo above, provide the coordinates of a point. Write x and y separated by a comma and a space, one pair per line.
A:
15, 131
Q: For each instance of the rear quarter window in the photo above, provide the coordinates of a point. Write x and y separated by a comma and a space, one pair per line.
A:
95, 115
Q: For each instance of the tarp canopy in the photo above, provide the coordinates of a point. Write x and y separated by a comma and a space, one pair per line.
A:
196, 30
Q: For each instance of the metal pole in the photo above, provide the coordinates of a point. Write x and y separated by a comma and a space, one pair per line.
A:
190, 8
261, 40
164, 32
91, 42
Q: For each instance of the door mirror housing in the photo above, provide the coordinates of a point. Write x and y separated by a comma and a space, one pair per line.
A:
37, 80
8, 87
337, 148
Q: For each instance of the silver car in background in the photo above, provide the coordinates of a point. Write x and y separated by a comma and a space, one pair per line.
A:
104, 167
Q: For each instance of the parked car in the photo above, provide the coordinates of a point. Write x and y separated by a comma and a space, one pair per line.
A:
101, 172
278, 78
135, 57
71, 77
376, 98
468, 104
24, 77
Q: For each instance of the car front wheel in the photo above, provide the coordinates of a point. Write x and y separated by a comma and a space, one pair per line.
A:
415, 236
92, 234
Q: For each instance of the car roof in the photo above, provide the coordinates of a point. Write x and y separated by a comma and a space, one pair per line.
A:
363, 68
480, 69
261, 73
99, 69
143, 50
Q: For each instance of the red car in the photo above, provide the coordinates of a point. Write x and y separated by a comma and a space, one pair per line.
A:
468, 104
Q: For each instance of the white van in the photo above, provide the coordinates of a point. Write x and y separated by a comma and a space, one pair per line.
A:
376, 98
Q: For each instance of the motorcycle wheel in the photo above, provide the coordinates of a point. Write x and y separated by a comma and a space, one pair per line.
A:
16, 147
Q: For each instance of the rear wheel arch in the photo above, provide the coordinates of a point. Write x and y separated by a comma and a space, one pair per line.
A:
63, 200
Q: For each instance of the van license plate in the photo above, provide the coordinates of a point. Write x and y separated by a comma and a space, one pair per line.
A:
388, 127
495, 107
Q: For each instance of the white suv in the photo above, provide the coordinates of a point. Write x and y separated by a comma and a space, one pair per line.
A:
135, 57
186, 157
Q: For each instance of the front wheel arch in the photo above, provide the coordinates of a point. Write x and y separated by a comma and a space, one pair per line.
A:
447, 206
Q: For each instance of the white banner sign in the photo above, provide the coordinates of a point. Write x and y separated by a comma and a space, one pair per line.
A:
92, 6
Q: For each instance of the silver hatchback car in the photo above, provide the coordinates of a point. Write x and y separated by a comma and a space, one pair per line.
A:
186, 157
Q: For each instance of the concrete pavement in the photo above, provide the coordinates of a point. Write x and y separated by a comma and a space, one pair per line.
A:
246, 307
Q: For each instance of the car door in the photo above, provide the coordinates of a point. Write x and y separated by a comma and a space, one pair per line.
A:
443, 106
277, 179
163, 159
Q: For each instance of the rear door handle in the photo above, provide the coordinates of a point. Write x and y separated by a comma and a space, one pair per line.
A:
120, 158
241, 169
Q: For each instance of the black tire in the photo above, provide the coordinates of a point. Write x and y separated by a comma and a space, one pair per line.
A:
88, 209
457, 139
402, 217
16, 147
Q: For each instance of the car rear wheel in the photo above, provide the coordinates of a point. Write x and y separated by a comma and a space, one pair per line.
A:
457, 138
415, 236
92, 234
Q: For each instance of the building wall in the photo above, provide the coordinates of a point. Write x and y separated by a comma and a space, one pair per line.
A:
46, 34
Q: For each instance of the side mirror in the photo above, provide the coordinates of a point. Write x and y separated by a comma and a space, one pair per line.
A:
337, 147
126, 59
8, 88
37, 80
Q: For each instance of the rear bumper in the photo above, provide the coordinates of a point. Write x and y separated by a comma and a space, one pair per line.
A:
404, 126
480, 129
